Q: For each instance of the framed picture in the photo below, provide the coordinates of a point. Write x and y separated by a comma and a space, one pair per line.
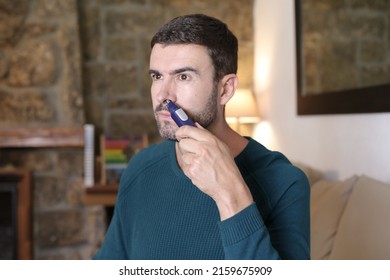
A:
343, 57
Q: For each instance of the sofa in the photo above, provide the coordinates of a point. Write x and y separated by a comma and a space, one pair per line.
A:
350, 218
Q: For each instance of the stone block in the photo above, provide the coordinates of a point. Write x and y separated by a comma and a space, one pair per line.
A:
54, 8
106, 79
34, 30
12, 18
33, 64
239, 17
37, 160
70, 162
143, 103
60, 227
123, 124
245, 66
70, 89
75, 192
122, 49
49, 192
132, 22
25, 107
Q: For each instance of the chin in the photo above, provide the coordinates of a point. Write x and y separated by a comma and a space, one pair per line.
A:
167, 130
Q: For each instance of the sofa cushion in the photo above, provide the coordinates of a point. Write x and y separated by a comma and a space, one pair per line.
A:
313, 175
328, 201
364, 228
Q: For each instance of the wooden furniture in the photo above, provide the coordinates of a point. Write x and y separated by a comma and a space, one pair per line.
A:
20, 179
101, 195
58, 137
41, 137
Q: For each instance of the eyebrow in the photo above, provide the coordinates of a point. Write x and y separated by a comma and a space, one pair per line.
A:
177, 71
184, 69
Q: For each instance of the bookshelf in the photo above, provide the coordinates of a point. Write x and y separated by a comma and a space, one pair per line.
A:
109, 165
100, 193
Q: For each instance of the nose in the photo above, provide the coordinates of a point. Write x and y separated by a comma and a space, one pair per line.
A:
165, 90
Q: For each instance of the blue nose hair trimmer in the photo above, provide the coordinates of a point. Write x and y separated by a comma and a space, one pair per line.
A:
178, 115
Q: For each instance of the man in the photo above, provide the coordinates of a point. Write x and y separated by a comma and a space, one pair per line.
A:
206, 192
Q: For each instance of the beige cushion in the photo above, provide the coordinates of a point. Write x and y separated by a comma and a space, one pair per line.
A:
312, 174
364, 230
328, 200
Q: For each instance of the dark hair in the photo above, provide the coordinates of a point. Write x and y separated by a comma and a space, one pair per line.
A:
206, 31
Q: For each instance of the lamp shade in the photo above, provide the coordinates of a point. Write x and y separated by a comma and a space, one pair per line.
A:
242, 108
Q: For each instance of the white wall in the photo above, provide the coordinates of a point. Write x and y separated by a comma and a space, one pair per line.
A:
339, 145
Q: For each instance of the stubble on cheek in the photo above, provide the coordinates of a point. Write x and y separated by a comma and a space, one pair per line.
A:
166, 128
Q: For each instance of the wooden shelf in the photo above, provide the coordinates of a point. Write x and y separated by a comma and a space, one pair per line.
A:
101, 195
20, 179
58, 137
39, 137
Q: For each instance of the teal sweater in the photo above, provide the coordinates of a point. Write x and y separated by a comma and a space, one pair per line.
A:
160, 214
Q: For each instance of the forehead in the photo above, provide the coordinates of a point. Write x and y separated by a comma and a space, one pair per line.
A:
171, 57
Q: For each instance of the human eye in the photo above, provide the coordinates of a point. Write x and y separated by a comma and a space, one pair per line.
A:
155, 76
183, 77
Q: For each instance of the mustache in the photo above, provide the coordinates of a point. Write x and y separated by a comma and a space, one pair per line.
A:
161, 107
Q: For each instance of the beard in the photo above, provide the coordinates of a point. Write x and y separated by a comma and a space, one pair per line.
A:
205, 117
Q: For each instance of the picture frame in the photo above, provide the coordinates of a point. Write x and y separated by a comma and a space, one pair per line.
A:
368, 99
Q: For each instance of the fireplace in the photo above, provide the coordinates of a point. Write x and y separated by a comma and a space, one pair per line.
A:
15, 214
54, 223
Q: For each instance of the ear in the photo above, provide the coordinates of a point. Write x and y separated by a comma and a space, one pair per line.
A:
229, 84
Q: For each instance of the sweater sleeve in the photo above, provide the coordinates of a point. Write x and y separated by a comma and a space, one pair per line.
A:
285, 236
244, 236
112, 247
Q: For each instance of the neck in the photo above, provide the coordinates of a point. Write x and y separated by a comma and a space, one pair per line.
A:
226, 134
235, 141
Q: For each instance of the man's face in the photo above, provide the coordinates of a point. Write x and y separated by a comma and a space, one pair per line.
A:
183, 74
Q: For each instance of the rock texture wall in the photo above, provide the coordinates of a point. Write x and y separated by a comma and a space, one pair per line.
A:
40, 86
116, 46
66, 63
40, 67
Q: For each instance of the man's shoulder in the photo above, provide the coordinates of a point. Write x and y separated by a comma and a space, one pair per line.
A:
150, 156
270, 165
146, 159
261, 157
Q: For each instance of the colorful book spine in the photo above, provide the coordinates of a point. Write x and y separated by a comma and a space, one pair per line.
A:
116, 154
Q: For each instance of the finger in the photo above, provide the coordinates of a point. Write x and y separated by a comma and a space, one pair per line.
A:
188, 145
199, 126
198, 133
188, 158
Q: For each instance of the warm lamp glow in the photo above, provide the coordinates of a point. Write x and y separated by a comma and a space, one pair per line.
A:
242, 108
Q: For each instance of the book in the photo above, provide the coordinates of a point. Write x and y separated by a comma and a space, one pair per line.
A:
89, 155
115, 155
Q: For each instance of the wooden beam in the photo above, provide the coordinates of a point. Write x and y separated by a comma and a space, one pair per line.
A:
41, 137
101, 195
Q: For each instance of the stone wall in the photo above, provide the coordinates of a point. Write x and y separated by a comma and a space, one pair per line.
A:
67, 62
40, 70
41, 86
116, 46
